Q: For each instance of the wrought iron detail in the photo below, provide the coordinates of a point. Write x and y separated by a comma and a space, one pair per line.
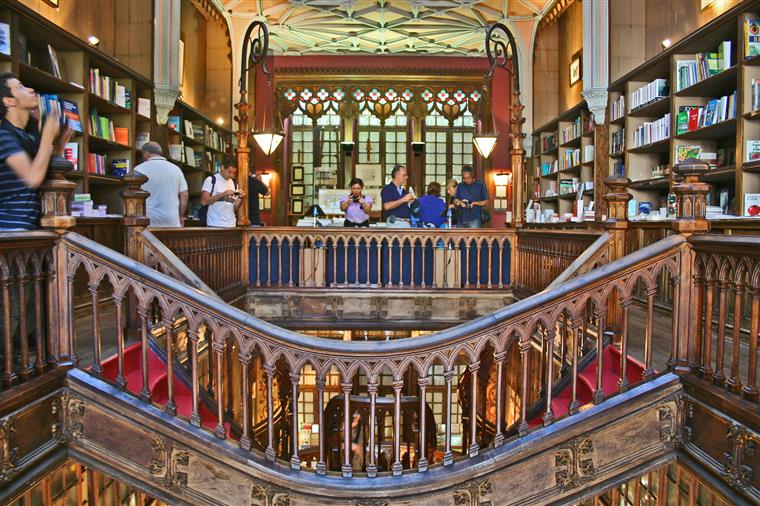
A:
255, 48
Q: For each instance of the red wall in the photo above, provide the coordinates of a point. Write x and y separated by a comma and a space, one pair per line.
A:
263, 102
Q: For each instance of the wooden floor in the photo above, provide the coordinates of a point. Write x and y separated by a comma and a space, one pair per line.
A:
637, 316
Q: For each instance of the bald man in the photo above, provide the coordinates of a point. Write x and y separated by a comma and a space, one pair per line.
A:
167, 204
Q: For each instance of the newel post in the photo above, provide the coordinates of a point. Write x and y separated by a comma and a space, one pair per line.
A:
616, 225
691, 200
56, 194
135, 221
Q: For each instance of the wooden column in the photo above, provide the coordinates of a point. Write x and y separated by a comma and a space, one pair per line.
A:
498, 439
346, 468
617, 198
422, 464
372, 390
243, 135
135, 221
397, 468
517, 154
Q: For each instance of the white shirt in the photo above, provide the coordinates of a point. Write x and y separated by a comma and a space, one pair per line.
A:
221, 213
165, 182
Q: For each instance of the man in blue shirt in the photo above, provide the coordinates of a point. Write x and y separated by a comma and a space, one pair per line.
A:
471, 198
24, 155
395, 197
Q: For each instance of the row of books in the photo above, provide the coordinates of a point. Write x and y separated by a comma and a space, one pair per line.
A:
617, 142
103, 127
648, 93
694, 117
578, 127
67, 110
755, 95
617, 108
548, 142
198, 131
82, 205
549, 168
704, 65
571, 158
109, 88
99, 164
652, 131
588, 154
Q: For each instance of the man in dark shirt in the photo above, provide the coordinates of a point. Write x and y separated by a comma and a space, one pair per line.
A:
395, 197
24, 155
471, 197
256, 187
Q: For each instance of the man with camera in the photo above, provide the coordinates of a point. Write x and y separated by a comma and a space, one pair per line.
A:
471, 198
356, 206
222, 196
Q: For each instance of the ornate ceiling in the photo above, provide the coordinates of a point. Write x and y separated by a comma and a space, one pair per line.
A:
449, 27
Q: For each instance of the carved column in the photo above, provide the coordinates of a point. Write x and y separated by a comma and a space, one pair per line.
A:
596, 43
243, 135
518, 159
166, 57
346, 468
56, 194
617, 198
691, 199
135, 221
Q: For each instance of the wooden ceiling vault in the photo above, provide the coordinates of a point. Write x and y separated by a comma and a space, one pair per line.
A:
440, 27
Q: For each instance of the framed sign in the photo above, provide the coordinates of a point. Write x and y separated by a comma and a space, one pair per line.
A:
370, 173
576, 67
296, 206
297, 175
297, 190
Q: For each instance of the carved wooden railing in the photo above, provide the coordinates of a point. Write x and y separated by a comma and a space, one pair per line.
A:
542, 255
376, 258
29, 315
516, 325
597, 254
216, 255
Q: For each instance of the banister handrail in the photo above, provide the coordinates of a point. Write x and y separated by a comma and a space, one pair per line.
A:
591, 254
171, 261
478, 327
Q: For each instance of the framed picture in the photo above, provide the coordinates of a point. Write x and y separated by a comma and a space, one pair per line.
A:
576, 67
296, 206
297, 173
297, 190
370, 173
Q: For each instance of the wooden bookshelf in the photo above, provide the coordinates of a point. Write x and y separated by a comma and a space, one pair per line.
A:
212, 142
31, 39
563, 150
735, 175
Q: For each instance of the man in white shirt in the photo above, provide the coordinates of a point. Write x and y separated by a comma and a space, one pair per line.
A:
220, 193
167, 203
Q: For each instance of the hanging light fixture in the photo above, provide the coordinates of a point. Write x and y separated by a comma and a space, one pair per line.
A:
496, 50
257, 40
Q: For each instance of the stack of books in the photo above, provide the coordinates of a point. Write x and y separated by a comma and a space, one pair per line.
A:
653, 131
704, 65
648, 93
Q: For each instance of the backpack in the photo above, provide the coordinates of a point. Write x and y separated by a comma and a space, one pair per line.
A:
203, 213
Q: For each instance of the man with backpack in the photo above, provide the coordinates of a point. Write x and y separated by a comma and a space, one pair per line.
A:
167, 203
220, 197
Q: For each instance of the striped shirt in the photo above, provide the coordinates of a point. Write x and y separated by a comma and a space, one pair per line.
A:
19, 205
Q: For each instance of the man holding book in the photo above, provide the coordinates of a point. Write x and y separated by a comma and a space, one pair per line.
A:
167, 203
24, 154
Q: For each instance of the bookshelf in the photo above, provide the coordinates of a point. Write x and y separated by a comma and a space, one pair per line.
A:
563, 159
197, 145
60, 66
710, 111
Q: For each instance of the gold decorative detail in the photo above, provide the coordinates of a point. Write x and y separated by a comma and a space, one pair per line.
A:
174, 478
157, 466
8, 453
474, 493
575, 465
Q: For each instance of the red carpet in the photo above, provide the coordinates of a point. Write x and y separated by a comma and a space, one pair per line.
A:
157, 383
587, 382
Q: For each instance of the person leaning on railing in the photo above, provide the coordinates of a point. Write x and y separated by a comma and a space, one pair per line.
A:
356, 206
432, 207
24, 154
471, 198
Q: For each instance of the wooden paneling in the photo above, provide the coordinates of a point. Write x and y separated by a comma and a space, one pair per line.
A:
218, 96
627, 31
570, 42
193, 34
545, 75
125, 28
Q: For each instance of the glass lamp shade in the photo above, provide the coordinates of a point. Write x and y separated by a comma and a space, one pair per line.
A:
268, 140
485, 143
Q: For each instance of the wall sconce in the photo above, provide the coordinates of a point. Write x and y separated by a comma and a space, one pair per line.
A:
347, 147
418, 147
93, 40
502, 179
266, 178
666, 43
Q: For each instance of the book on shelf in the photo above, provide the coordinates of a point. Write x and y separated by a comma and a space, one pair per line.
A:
144, 107
71, 153
121, 135
752, 204
618, 108
175, 152
752, 151
71, 115
56, 69
120, 167
717, 110
198, 159
173, 123
23, 49
751, 37
198, 131
96, 163
188, 128
618, 168
704, 65
617, 142
141, 139
684, 152
652, 131
588, 153
568, 186
190, 156
5, 39
109, 89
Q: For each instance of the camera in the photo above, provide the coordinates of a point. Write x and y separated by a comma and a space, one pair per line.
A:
355, 198
237, 194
